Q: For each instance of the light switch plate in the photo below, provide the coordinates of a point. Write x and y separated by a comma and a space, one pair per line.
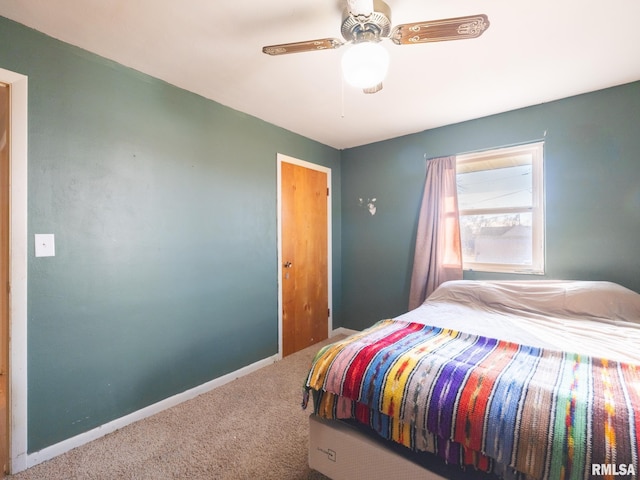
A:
45, 245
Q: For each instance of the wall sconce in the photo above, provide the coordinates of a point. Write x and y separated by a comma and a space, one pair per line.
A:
370, 204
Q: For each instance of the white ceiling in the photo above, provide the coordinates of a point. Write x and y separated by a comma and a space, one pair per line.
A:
533, 52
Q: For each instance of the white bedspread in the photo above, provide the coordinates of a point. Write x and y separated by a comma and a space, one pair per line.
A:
601, 319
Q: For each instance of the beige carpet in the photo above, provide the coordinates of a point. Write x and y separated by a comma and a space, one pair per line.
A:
250, 428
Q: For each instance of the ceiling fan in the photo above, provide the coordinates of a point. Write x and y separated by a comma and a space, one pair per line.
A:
367, 22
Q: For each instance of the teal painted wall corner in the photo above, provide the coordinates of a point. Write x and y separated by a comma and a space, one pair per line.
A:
163, 206
592, 184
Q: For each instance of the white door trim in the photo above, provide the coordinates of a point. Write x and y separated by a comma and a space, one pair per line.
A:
284, 158
17, 271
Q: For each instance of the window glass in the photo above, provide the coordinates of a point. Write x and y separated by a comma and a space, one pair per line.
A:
497, 238
501, 187
500, 198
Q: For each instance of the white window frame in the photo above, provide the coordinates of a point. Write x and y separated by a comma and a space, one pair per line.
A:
501, 155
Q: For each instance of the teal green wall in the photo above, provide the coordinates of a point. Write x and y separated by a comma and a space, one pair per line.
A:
163, 205
592, 182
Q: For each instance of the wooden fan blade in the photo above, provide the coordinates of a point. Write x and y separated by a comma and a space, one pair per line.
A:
308, 46
440, 30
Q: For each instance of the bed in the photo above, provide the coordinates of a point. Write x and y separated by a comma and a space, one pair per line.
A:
511, 379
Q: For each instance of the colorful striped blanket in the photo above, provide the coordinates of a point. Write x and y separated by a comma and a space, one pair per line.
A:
494, 405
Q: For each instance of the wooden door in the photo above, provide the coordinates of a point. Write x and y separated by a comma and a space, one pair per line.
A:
304, 239
4, 277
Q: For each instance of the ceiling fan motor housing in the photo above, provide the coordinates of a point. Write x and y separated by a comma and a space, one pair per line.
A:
362, 28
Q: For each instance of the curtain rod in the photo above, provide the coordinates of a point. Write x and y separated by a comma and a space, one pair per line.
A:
517, 144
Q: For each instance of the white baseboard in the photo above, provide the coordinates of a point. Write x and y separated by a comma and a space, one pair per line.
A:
62, 447
343, 331
52, 451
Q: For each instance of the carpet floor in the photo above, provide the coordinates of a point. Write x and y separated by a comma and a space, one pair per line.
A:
250, 428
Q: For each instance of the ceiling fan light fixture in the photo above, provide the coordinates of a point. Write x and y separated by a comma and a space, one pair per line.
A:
360, 7
365, 64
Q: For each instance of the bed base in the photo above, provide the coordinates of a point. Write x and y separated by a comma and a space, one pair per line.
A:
343, 452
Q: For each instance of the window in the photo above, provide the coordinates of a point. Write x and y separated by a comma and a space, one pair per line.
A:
501, 203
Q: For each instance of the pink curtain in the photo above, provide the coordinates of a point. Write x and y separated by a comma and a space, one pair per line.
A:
438, 255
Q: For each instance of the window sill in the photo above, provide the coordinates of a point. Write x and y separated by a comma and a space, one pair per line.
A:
504, 269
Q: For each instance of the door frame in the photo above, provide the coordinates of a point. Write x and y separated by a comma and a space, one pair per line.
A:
17, 270
302, 163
